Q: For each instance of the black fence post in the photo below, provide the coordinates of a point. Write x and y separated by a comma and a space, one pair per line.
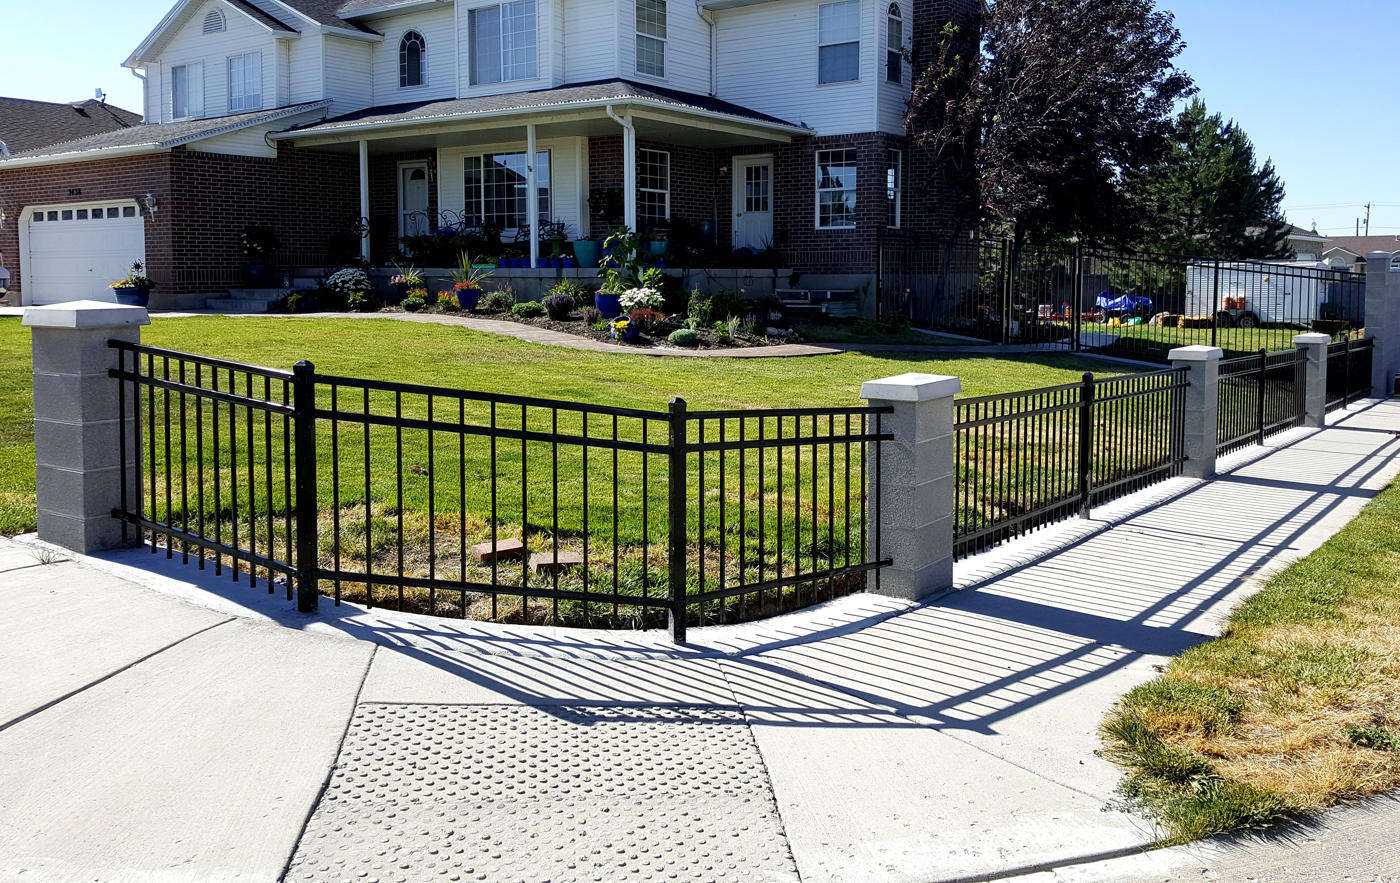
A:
1086, 444
675, 518
307, 564
1263, 376
1076, 322
1346, 374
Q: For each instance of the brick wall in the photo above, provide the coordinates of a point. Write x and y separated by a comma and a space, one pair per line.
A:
125, 178
384, 200
203, 202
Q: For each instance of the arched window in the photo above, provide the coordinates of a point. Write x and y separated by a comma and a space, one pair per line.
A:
214, 22
894, 45
413, 59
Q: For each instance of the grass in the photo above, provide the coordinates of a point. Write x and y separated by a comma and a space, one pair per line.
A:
461, 358
1296, 707
845, 332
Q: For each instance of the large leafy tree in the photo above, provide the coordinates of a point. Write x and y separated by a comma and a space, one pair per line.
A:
1208, 196
1038, 122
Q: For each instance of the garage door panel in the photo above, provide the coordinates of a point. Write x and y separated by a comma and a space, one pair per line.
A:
76, 252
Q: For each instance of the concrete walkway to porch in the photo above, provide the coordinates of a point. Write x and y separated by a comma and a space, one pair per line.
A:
158, 723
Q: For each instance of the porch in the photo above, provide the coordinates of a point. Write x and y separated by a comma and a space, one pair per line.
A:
519, 178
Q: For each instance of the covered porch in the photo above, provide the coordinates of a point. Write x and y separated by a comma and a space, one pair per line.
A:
528, 170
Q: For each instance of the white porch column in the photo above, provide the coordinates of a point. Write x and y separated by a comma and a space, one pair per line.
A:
533, 194
364, 198
629, 175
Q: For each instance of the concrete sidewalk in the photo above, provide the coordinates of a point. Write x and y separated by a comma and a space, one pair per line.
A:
160, 724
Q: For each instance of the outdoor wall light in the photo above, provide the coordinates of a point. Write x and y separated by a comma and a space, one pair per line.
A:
149, 201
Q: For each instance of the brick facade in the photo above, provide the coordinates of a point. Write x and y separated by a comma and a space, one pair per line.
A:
203, 202
384, 199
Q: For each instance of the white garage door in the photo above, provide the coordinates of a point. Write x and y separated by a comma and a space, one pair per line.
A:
76, 251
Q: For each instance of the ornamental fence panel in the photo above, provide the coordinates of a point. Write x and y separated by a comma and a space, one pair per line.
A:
1349, 371
1259, 396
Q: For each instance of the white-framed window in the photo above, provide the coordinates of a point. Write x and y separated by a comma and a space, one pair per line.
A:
894, 184
836, 189
413, 60
495, 187
894, 45
245, 81
653, 186
187, 90
504, 42
838, 42
651, 37
214, 22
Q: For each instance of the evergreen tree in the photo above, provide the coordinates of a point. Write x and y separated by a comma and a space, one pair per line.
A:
1207, 196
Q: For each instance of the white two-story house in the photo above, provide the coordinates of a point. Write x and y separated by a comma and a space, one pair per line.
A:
345, 125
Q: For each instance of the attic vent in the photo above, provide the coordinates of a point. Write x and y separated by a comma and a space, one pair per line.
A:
214, 22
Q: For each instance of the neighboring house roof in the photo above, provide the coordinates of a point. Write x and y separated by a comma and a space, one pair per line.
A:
152, 138
1296, 232
593, 93
1364, 245
27, 125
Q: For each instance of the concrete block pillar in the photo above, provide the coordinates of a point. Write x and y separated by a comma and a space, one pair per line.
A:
1314, 378
917, 471
1383, 321
77, 420
1202, 404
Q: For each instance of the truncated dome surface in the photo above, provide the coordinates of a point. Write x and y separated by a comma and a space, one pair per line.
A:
501, 792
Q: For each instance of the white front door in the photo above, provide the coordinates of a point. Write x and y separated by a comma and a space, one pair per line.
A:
413, 199
76, 251
753, 201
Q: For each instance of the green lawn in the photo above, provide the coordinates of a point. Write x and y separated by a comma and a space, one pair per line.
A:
461, 358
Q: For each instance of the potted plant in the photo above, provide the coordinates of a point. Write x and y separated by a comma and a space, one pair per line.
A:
587, 252
260, 245
623, 328
657, 244
134, 289
557, 232
405, 279
466, 281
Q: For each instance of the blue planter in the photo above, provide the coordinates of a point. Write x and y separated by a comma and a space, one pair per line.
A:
467, 298
610, 305
587, 252
131, 296
629, 335
657, 247
568, 263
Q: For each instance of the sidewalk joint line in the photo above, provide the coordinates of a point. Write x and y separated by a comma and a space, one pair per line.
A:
130, 665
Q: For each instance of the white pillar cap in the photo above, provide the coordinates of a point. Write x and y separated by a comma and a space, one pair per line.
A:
1196, 353
85, 314
1311, 339
911, 387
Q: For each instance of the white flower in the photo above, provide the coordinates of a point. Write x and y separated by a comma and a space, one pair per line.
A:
640, 298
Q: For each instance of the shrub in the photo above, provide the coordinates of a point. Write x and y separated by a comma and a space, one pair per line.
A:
722, 332
496, 301
347, 282
530, 309
647, 320
581, 295
592, 316
447, 302
362, 301
414, 301
558, 306
698, 309
684, 337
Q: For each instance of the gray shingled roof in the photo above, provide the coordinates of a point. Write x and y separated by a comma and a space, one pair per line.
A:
563, 96
29, 125
164, 136
326, 12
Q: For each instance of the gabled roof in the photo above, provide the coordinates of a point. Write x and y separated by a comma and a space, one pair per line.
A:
563, 97
327, 13
152, 138
180, 13
1360, 246
29, 125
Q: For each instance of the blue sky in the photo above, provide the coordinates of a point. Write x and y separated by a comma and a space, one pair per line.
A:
1310, 83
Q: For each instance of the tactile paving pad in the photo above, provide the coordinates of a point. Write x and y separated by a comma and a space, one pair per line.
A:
513, 793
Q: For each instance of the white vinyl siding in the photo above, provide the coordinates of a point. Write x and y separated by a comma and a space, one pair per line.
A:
245, 82
893, 97
768, 62
436, 26
589, 44
189, 45
347, 80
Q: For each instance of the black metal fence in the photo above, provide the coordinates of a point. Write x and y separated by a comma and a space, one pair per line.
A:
1349, 371
1259, 396
1028, 459
499, 507
1133, 305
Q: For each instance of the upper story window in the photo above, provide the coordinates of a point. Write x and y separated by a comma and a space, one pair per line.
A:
245, 81
504, 42
187, 90
838, 52
894, 45
651, 37
413, 60
836, 189
214, 22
